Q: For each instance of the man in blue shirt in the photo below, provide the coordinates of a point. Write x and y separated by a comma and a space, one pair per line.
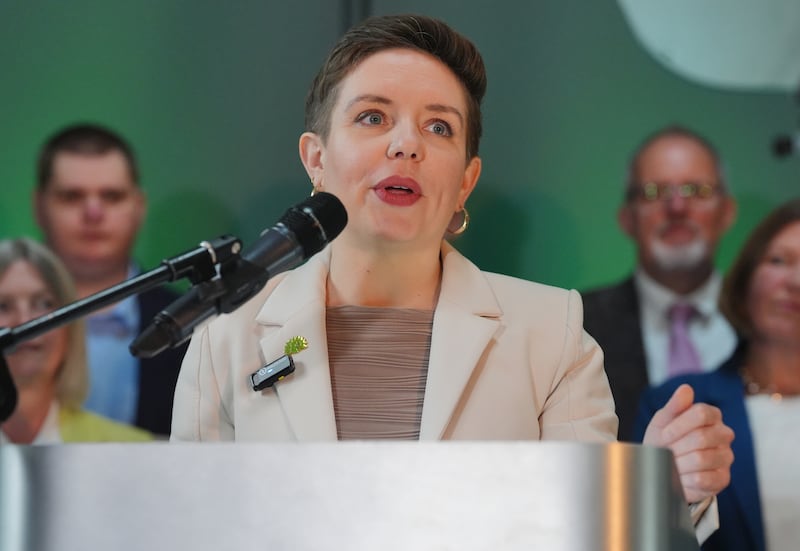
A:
90, 206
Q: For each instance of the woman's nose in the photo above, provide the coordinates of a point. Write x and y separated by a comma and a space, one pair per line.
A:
794, 276
406, 143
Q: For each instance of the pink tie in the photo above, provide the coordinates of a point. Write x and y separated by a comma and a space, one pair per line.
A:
683, 357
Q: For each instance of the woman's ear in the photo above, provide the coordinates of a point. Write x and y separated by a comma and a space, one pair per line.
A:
471, 175
311, 155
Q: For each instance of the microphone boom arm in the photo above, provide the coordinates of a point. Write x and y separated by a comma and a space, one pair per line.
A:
302, 232
198, 265
238, 281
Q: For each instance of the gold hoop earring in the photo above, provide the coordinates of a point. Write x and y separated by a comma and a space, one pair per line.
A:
462, 227
314, 188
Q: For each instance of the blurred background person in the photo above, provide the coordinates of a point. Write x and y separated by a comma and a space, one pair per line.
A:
663, 319
90, 206
49, 371
757, 389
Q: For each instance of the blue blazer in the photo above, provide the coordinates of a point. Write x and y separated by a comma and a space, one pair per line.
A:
741, 527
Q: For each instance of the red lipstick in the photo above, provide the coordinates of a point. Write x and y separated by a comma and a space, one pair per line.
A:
398, 191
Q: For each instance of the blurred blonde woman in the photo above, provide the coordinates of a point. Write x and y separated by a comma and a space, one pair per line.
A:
49, 371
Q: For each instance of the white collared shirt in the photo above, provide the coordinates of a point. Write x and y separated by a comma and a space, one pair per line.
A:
710, 332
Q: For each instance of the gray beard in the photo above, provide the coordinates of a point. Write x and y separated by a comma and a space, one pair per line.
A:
680, 258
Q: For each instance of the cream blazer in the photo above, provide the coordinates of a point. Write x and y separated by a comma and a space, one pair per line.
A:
509, 360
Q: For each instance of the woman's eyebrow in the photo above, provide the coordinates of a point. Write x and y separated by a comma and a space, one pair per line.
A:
371, 98
440, 108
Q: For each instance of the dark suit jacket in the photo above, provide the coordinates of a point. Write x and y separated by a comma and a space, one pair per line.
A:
741, 527
611, 316
157, 375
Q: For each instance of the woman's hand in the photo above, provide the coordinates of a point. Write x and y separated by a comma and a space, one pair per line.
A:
700, 441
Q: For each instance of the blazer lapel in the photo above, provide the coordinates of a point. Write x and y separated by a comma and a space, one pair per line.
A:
729, 395
297, 308
465, 320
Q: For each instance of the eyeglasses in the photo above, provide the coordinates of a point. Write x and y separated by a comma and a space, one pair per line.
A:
650, 192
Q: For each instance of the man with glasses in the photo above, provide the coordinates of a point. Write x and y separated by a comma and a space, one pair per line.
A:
663, 320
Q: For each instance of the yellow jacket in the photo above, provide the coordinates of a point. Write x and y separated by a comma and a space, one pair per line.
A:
83, 426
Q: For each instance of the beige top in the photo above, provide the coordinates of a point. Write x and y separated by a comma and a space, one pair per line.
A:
772, 422
379, 364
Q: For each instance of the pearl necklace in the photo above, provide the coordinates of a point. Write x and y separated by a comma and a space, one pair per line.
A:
751, 387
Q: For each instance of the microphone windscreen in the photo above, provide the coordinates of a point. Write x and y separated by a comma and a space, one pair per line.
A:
316, 221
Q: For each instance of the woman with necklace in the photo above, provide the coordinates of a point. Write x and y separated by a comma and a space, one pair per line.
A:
757, 389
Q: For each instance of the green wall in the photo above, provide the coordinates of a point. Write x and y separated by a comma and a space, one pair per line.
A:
211, 95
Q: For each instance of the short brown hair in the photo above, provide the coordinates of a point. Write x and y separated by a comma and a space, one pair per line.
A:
414, 32
736, 287
73, 377
83, 139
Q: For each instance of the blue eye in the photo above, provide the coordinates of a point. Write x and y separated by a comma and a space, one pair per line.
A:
441, 128
370, 118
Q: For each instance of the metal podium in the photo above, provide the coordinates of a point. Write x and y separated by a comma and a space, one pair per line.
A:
341, 496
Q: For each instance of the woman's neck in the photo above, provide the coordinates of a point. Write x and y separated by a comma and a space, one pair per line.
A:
25, 423
773, 368
397, 280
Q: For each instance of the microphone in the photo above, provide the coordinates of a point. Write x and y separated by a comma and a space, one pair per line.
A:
302, 232
785, 145
8, 392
